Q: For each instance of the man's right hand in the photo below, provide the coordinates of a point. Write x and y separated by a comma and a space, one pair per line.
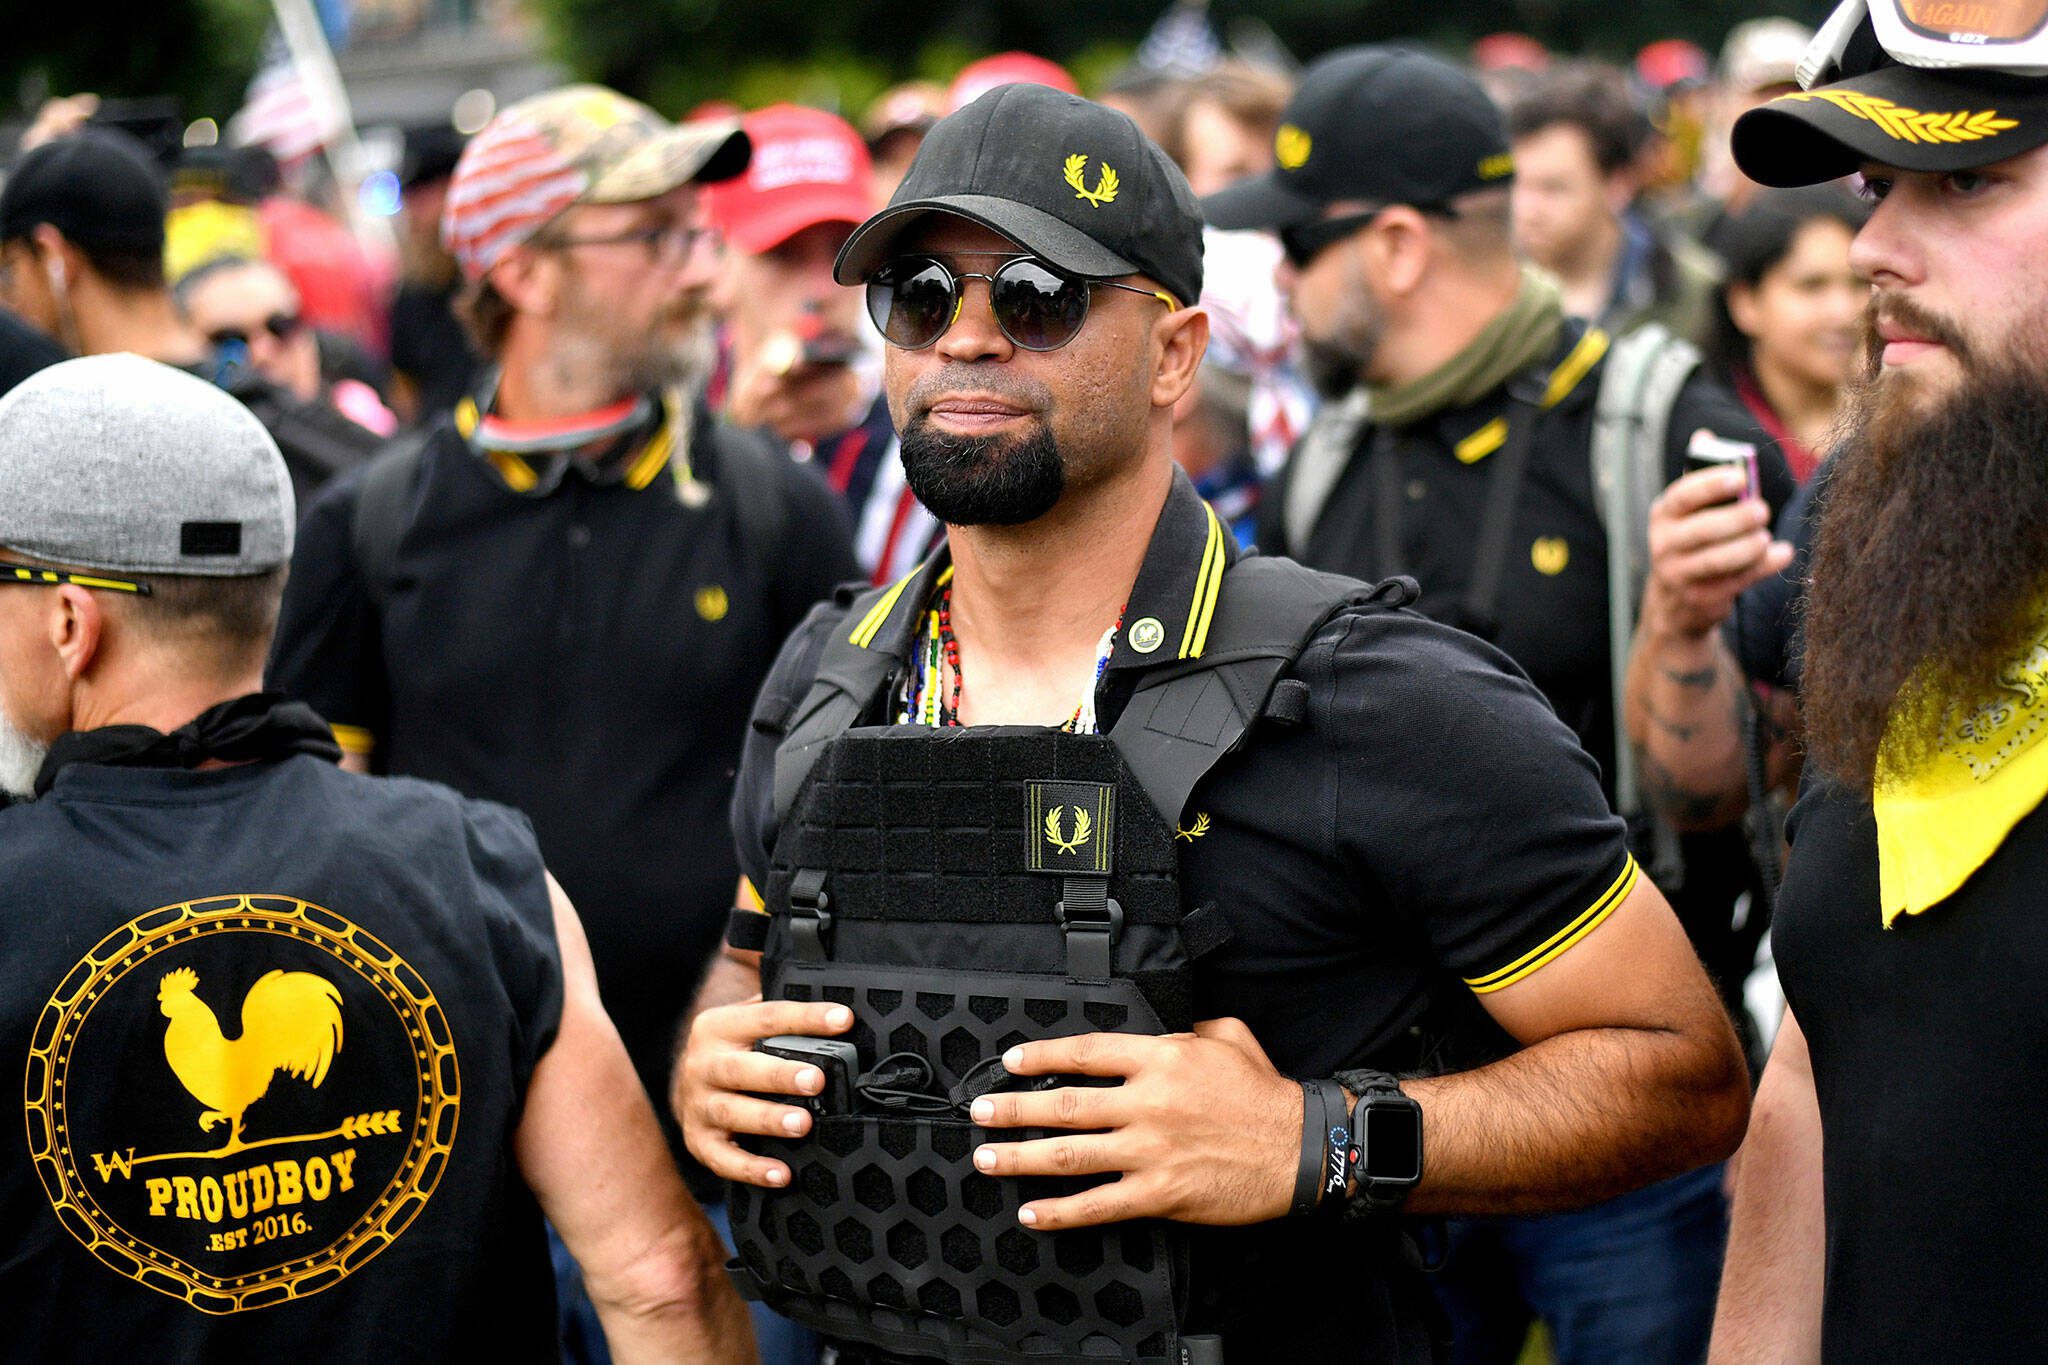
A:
720, 1078
1705, 550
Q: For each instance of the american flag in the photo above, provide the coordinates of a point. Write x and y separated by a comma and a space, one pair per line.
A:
1181, 43
284, 111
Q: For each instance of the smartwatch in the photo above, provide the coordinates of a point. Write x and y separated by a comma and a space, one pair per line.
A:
1386, 1138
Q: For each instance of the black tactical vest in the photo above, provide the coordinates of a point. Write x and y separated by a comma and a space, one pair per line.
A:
963, 891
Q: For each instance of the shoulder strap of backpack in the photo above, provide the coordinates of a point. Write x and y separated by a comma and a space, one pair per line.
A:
1631, 420
1182, 720
384, 511
849, 677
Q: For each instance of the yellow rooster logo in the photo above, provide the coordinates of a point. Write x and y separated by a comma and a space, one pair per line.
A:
1106, 184
291, 1022
1082, 829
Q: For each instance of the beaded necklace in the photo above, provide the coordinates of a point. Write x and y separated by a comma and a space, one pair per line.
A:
931, 692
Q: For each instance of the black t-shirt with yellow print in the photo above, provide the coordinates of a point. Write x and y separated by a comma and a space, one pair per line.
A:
1430, 832
275, 1023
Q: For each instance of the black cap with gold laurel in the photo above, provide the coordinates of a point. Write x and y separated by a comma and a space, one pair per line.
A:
1903, 116
1072, 182
1384, 125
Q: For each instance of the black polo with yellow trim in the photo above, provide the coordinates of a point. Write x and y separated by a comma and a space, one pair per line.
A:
1552, 606
1430, 832
585, 654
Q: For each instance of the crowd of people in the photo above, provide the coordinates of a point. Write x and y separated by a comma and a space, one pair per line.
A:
1258, 717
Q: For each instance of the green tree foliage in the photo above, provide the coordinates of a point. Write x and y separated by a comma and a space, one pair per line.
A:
201, 51
841, 52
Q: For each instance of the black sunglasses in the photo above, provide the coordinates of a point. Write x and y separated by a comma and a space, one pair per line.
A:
914, 299
1305, 241
29, 576
279, 325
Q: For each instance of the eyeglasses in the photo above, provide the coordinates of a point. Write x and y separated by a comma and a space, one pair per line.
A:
669, 244
280, 325
28, 576
1305, 241
914, 299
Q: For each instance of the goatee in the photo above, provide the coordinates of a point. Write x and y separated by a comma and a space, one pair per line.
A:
983, 480
1930, 555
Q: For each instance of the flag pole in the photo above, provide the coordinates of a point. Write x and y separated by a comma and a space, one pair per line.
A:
306, 44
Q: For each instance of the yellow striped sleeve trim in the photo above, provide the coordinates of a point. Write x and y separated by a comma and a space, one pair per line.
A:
1482, 442
871, 624
353, 739
1556, 945
650, 461
1208, 582
1573, 367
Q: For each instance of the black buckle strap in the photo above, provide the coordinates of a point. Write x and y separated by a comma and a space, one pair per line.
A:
1092, 923
810, 916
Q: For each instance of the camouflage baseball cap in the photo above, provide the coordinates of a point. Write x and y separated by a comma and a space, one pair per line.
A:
581, 144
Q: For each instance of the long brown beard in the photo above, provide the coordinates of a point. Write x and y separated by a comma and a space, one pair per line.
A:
1929, 557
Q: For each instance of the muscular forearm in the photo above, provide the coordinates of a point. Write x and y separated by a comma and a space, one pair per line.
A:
1686, 706
674, 1302
1578, 1118
1770, 1304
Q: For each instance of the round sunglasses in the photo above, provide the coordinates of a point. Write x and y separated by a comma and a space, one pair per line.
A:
914, 299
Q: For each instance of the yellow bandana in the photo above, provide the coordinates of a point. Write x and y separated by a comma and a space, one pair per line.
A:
1938, 824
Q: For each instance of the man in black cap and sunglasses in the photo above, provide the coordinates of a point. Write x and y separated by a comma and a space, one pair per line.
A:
1287, 873
1883, 1207
1458, 445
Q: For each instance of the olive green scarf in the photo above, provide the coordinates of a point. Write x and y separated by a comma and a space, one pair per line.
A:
1524, 333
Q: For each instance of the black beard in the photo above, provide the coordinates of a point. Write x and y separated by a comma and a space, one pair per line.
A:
983, 480
1333, 368
1930, 550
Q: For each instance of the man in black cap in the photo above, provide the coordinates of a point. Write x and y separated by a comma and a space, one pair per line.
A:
82, 259
1459, 445
1349, 899
1882, 1208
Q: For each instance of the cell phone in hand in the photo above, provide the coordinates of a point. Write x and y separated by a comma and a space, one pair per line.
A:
1708, 451
837, 1058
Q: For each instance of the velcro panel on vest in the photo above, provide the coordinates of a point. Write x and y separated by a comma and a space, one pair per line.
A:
917, 824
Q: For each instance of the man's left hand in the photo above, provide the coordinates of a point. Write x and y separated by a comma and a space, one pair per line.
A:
1202, 1129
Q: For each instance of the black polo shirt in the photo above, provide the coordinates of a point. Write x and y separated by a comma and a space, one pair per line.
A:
1429, 833
1930, 1065
1552, 605
587, 657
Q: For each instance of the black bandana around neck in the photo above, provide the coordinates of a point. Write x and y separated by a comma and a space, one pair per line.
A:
258, 728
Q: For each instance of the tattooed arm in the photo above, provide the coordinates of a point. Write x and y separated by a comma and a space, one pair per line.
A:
1687, 702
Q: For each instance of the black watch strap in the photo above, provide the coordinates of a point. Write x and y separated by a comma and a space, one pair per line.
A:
1383, 1179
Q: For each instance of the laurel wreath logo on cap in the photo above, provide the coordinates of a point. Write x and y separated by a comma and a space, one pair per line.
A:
1901, 124
1291, 146
1106, 184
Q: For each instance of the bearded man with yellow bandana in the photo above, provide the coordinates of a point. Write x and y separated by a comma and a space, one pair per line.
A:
1900, 1137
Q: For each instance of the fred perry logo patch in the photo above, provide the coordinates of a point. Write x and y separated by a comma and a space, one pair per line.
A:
1071, 826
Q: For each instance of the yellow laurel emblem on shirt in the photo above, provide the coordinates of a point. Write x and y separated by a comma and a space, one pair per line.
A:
1194, 831
712, 602
1291, 147
1901, 124
1082, 829
1106, 184
1550, 555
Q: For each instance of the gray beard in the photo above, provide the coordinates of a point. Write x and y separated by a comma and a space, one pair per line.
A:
21, 758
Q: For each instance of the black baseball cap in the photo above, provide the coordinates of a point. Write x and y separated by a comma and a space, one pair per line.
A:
1389, 125
1905, 116
96, 186
1068, 180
